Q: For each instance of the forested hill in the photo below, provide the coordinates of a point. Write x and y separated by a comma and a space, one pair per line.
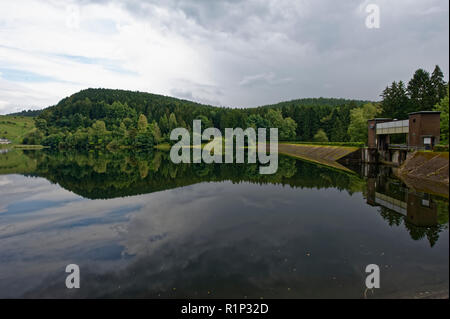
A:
124, 114
116, 105
104, 117
318, 102
154, 105
27, 113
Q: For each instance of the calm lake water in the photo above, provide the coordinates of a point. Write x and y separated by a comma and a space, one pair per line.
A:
139, 226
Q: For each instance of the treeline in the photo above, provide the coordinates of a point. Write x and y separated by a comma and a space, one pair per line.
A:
27, 113
113, 118
422, 93
96, 118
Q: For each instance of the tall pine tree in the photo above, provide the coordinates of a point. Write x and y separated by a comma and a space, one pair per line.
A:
438, 84
421, 91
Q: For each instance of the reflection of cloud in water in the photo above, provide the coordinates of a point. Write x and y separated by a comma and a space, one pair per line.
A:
38, 240
4, 181
233, 240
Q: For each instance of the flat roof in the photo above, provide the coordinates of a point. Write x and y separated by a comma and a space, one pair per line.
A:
381, 119
425, 112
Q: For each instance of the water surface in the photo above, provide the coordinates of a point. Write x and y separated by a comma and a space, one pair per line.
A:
140, 226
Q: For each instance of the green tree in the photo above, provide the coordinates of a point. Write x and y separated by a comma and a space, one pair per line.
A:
164, 124
53, 140
127, 122
144, 140
80, 139
99, 127
41, 125
421, 93
395, 101
206, 123
286, 126
33, 138
320, 136
256, 121
122, 130
98, 135
156, 132
77, 121
443, 107
142, 123
438, 83
288, 131
357, 130
172, 122
275, 118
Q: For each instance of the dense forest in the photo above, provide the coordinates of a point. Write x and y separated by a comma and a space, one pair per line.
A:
27, 113
104, 117
96, 118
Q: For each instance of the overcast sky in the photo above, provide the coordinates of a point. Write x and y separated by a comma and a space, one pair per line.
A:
231, 52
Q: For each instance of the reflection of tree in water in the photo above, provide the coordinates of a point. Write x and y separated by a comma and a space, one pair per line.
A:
393, 218
442, 211
125, 173
104, 175
423, 215
416, 232
432, 233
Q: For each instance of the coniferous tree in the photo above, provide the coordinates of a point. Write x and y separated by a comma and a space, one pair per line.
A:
388, 100
172, 121
396, 103
164, 124
438, 83
142, 123
420, 91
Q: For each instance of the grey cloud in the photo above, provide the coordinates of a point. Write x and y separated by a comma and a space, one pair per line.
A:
263, 79
312, 48
197, 92
188, 95
320, 48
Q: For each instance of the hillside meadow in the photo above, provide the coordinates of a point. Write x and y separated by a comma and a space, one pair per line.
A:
14, 128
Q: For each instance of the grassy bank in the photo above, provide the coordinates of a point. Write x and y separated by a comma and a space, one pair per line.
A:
14, 162
163, 147
14, 128
28, 147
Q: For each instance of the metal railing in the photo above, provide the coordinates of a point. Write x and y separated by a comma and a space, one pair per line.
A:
406, 147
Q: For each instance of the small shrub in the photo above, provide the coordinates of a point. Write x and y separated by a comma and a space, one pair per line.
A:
440, 148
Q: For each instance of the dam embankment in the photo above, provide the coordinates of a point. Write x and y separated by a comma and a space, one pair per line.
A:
427, 172
320, 154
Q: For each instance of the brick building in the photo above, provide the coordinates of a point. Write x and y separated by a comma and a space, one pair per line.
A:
422, 129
